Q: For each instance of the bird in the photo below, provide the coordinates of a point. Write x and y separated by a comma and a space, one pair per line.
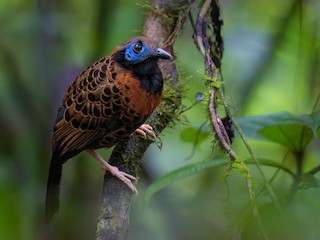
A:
104, 105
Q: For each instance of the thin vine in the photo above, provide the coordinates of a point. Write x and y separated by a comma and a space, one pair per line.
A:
212, 51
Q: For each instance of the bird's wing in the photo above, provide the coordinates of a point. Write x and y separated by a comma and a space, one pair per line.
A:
89, 109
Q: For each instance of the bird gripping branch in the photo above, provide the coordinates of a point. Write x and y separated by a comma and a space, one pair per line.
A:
106, 103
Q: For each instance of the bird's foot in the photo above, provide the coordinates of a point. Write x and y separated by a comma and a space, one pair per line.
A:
122, 176
145, 130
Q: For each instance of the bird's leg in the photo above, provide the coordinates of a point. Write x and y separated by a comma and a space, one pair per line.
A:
122, 176
146, 130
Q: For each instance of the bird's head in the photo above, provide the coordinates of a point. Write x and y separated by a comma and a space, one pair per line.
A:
142, 49
139, 52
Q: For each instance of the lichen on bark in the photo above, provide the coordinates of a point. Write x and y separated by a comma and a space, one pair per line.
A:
114, 213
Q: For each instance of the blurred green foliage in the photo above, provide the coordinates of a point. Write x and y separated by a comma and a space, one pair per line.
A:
270, 65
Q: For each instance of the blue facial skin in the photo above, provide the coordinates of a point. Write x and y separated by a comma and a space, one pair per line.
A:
135, 58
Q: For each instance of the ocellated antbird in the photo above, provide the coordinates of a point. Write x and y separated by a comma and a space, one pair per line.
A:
107, 102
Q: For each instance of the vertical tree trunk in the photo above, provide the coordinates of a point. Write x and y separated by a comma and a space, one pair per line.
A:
162, 23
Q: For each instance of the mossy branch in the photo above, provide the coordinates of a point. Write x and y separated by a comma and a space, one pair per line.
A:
254, 159
212, 51
113, 220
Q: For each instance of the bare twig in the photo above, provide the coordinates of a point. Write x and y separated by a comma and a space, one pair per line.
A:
212, 73
212, 52
219, 128
180, 22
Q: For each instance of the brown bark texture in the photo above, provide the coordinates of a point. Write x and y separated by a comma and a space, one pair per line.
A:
162, 23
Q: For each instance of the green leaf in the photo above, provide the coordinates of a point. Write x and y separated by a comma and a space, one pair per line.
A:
271, 163
192, 134
289, 130
316, 123
293, 136
309, 181
179, 174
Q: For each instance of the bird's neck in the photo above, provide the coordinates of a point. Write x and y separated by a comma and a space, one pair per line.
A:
152, 81
147, 72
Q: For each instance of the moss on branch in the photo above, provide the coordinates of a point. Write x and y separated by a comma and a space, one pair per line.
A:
113, 220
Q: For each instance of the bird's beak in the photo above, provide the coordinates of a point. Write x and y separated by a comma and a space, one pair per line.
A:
160, 53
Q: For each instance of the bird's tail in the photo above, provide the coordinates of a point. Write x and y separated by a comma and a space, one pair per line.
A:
53, 186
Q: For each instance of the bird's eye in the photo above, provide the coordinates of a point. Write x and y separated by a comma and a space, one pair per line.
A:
137, 47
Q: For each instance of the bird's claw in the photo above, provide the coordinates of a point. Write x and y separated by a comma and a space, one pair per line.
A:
146, 131
122, 176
